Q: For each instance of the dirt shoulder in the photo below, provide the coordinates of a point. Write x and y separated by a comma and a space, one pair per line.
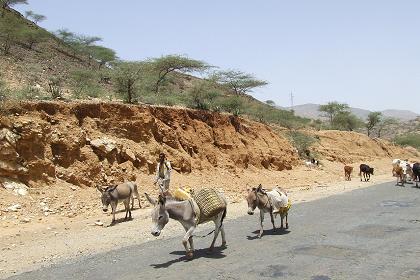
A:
32, 238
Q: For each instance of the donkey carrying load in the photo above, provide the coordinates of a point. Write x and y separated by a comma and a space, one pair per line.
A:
123, 192
204, 206
274, 202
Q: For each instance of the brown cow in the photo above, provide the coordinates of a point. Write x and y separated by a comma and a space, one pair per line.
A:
347, 172
399, 173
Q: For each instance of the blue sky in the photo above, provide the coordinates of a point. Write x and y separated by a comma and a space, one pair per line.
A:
361, 52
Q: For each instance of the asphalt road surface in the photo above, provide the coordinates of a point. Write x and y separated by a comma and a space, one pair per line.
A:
371, 233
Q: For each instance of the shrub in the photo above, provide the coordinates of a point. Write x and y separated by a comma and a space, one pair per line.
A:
203, 95
233, 104
54, 87
412, 139
86, 83
301, 141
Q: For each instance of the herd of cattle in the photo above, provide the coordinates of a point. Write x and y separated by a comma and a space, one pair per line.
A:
404, 170
274, 202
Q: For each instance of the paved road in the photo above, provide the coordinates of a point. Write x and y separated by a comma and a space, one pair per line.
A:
371, 233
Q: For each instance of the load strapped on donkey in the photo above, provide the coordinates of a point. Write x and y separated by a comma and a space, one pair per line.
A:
206, 202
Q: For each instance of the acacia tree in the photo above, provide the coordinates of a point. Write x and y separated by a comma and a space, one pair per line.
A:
237, 81
32, 36
372, 120
385, 124
65, 35
331, 109
346, 121
102, 54
270, 102
36, 18
162, 66
9, 3
126, 76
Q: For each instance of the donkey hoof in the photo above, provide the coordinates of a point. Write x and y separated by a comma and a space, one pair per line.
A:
224, 245
190, 255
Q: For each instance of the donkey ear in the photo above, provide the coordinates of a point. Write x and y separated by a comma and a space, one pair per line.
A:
99, 189
259, 188
162, 199
151, 200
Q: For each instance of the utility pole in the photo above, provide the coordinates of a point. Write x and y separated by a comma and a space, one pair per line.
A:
291, 102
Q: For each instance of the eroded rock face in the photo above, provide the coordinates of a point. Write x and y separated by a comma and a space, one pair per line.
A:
10, 165
88, 144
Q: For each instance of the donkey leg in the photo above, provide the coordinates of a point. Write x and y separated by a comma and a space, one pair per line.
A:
272, 221
136, 192
185, 240
217, 223
261, 223
222, 231
191, 244
281, 218
132, 202
127, 208
114, 209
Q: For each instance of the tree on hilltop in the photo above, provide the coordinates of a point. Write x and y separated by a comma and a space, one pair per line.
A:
237, 81
345, 120
126, 76
36, 18
331, 109
372, 121
164, 65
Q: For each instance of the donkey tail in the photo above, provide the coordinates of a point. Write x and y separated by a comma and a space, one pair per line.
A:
223, 217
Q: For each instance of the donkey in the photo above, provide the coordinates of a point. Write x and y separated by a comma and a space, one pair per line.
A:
257, 197
122, 192
184, 212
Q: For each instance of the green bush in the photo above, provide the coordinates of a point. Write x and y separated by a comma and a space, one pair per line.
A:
301, 141
232, 104
85, 83
203, 95
412, 139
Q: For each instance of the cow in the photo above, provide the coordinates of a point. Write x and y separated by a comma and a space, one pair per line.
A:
347, 172
416, 173
366, 170
399, 173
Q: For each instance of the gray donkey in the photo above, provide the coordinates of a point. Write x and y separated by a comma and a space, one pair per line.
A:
184, 212
122, 192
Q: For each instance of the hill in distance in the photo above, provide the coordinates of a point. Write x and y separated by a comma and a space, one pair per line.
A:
310, 110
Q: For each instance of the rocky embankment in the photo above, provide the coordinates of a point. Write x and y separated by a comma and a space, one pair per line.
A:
98, 143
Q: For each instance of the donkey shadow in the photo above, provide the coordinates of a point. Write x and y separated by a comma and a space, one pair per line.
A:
217, 253
119, 221
268, 232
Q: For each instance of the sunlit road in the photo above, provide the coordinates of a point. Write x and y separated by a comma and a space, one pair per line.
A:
371, 233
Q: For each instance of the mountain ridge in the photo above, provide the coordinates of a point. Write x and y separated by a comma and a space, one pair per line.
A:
310, 110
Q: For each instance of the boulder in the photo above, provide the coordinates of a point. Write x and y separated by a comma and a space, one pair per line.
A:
105, 145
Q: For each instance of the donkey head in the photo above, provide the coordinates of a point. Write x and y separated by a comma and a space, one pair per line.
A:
252, 199
107, 196
160, 216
